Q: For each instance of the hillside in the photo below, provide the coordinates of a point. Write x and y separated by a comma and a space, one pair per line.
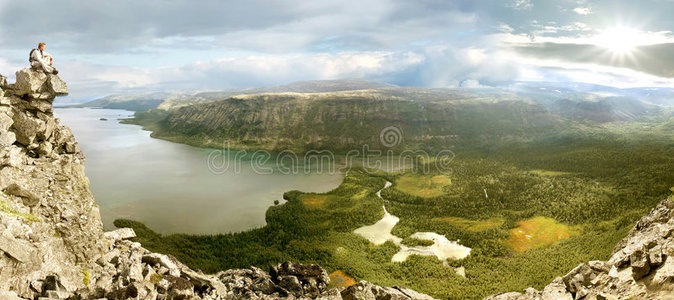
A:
426, 119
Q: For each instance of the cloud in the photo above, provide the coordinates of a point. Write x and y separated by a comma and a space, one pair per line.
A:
650, 59
127, 26
583, 10
107, 47
521, 4
439, 66
86, 80
471, 84
112, 26
6, 64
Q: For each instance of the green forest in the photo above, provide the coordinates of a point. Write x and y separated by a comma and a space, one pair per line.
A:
576, 193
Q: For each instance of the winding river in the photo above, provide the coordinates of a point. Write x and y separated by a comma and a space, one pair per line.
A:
380, 232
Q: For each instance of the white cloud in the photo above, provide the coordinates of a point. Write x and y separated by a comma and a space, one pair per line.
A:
583, 10
471, 84
86, 80
504, 28
475, 56
521, 4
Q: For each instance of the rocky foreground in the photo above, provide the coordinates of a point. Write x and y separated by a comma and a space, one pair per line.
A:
52, 244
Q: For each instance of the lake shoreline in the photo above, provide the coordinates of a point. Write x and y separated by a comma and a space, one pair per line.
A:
170, 186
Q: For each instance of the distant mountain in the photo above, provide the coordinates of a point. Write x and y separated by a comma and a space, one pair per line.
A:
652, 95
138, 101
167, 100
321, 86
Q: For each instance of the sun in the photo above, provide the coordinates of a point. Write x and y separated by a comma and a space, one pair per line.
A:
620, 39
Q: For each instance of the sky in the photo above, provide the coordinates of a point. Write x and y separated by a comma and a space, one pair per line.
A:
111, 47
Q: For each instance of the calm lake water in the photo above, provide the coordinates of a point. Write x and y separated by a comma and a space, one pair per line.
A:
169, 186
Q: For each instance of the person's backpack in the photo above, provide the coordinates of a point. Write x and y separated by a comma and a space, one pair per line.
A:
30, 56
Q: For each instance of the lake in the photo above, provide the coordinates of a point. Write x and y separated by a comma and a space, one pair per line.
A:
169, 186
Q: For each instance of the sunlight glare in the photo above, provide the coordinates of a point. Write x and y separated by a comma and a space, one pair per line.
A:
620, 40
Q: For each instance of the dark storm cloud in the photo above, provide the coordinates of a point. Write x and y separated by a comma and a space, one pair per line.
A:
116, 25
652, 59
110, 26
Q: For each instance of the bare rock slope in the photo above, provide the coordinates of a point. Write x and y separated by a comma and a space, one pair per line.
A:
52, 244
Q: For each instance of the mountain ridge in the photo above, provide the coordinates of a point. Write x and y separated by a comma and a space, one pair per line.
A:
167, 100
428, 119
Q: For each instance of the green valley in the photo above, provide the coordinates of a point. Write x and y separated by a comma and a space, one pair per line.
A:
524, 226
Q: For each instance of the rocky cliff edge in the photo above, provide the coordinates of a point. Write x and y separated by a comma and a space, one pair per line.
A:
52, 244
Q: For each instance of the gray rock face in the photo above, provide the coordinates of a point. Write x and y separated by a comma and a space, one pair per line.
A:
641, 267
49, 222
366, 290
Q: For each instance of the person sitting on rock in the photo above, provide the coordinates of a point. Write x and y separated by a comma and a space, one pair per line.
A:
40, 60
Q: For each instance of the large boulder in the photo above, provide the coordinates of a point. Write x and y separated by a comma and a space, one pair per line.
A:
367, 291
29, 199
57, 86
120, 234
27, 127
38, 85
